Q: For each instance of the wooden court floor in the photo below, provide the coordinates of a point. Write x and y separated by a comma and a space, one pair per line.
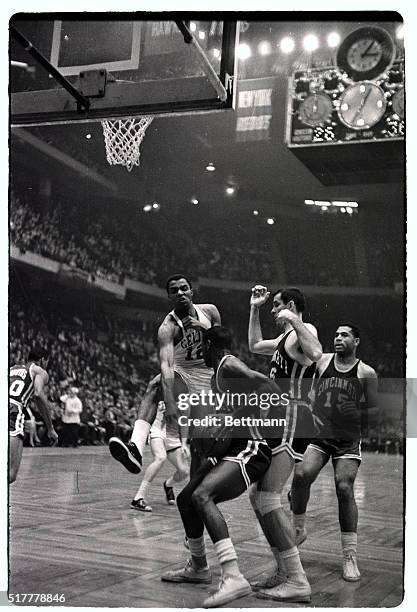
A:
72, 532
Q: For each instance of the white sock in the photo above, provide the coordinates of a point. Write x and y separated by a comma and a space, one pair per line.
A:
292, 564
349, 541
299, 520
143, 490
140, 434
227, 556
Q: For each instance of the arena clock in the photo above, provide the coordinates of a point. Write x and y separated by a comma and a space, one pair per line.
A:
316, 109
362, 105
366, 53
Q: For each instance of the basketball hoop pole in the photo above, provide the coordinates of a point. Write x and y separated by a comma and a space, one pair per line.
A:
81, 100
211, 74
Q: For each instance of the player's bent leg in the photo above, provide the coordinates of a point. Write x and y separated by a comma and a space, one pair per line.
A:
159, 457
282, 534
345, 471
224, 482
196, 568
15, 456
305, 473
176, 457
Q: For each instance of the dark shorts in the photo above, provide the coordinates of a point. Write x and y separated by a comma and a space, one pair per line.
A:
253, 459
297, 434
338, 449
16, 421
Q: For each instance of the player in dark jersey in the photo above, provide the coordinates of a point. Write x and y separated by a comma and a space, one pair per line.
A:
342, 379
27, 381
226, 473
182, 369
294, 353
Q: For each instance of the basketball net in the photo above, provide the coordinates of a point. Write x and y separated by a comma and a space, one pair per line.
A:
123, 138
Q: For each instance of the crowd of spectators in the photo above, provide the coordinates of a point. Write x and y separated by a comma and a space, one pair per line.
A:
105, 246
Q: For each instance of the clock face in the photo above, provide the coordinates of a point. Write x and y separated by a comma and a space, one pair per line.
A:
366, 53
316, 109
362, 105
398, 103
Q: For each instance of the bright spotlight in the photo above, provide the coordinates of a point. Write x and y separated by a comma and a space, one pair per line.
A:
88, 136
310, 42
194, 201
349, 210
147, 208
287, 44
333, 39
156, 206
244, 51
270, 221
324, 207
210, 167
256, 213
343, 209
264, 48
230, 190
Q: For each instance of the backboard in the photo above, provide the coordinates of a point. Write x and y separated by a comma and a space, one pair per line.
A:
122, 66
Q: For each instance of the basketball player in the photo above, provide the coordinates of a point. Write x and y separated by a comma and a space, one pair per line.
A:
25, 381
182, 369
294, 353
163, 446
342, 381
228, 470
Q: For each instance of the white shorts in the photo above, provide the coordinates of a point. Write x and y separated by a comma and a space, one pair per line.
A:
196, 379
172, 442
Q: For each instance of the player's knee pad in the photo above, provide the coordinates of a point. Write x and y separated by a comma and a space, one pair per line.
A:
267, 501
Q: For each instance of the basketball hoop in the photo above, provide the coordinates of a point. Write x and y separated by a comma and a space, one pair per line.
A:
123, 138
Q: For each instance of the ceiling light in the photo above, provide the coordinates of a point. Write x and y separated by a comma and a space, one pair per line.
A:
147, 208
193, 26
343, 209
400, 32
256, 213
349, 210
156, 206
333, 39
88, 136
194, 201
244, 51
210, 167
264, 48
324, 207
310, 42
230, 190
287, 44
270, 221
309, 202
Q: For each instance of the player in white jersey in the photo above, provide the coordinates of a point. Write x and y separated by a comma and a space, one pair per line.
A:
182, 369
180, 338
25, 381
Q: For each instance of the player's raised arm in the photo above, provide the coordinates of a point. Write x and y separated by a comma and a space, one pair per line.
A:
39, 385
256, 342
166, 357
306, 334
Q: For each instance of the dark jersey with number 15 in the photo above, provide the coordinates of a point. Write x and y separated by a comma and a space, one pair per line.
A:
337, 402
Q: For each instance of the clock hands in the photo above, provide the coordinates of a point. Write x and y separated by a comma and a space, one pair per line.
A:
368, 48
362, 103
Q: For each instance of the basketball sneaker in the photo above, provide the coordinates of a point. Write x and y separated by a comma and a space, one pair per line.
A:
290, 590
270, 581
140, 504
169, 494
127, 454
188, 574
351, 571
230, 588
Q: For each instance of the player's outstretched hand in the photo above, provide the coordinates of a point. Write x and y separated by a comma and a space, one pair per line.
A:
259, 295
